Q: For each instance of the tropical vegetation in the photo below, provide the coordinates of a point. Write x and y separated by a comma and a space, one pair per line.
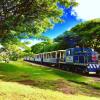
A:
25, 19
86, 34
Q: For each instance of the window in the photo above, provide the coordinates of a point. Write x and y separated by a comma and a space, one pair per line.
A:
68, 52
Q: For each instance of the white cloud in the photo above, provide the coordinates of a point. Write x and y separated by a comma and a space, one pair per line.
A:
87, 9
35, 41
32, 41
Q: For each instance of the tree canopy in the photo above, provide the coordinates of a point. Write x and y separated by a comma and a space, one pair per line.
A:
86, 34
20, 18
60, 43
89, 32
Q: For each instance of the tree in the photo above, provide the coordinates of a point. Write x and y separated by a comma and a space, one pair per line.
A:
89, 32
67, 40
21, 19
29, 17
45, 46
11, 52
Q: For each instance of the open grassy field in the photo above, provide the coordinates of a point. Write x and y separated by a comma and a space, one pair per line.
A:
23, 81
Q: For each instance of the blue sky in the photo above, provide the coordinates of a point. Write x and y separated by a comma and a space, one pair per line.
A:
70, 20
86, 10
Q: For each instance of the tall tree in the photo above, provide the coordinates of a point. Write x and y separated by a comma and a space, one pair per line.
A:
24, 18
67, 39
89, 32
30, 16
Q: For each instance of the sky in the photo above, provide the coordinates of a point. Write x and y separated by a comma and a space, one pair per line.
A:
70, 20
86, 10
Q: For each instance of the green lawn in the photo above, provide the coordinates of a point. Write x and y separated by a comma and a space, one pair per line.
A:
23, 80
15, 91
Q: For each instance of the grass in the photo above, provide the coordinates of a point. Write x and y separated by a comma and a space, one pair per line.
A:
32, 81
21, 92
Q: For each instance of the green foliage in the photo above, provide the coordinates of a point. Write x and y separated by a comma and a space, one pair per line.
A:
63, 40
4, 56
86, 34
22, 19
59, 43
46, 46
89, 32
40, 47
30, 16
11, 52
